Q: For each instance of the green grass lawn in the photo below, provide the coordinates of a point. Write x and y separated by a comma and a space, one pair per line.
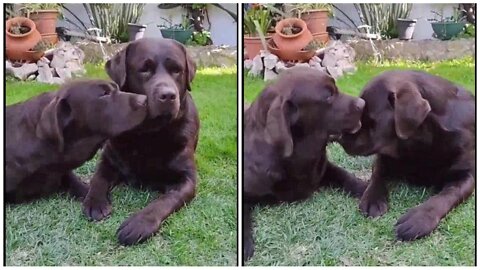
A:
328, 229
53, 231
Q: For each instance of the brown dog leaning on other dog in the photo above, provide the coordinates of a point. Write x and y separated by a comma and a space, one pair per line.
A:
286, 130
160, 152
422, 129
51, 134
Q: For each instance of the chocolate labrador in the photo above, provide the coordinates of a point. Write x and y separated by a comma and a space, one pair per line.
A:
286, 130
50, 135
158, 154
421, 128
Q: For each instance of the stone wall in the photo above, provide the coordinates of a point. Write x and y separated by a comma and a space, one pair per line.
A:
429, 50
204, 56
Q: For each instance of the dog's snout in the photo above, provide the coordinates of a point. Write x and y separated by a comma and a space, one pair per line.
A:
359, 104
166, 94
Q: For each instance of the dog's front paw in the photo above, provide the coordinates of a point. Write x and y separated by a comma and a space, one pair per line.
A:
416, 223
373, 207
96, 208
248, 249
136, 229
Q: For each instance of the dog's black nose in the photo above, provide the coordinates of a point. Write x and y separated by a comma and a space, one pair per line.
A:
166, 94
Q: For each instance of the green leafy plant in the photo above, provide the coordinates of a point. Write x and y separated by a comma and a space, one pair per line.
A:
299, 9
263, 18
383, 17
34, 7
456, 17
184, 25
113, 19
19, 29
42, 46
199, 38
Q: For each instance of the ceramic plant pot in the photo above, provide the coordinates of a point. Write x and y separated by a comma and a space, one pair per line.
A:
295, 41
405, 28
17, 45
316, 20
290, 55
447, 30
136, 31
46, 22
253, 45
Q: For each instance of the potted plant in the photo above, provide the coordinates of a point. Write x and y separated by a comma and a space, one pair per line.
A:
251, 38
292, 34
179, 32
45, 16
405, 28
447, 27
20, 37
135, 31
316, 17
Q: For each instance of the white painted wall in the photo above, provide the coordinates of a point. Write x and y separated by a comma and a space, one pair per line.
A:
223, 28
421, 12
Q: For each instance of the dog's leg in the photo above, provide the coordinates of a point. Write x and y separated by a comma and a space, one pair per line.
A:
248, 243
338, 177
423, 219
143, 224
374, 201
74, 186
97, 204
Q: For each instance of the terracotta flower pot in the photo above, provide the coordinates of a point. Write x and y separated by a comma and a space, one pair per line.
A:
24, 56
253, 45
321, 38
17, 44
46, 22
290, 55
293, 42
316, 20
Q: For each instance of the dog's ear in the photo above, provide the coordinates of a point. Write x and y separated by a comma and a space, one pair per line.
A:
277, 126
54, 118
116, 67
190, 66
410, 110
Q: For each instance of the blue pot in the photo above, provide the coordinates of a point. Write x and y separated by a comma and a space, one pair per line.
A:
447, 30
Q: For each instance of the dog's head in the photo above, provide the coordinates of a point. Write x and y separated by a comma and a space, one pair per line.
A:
395, 109
304, 102
161, 69
90, 107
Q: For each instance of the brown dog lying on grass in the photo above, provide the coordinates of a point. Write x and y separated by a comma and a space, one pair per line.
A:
422, 129
50, 135
286, 130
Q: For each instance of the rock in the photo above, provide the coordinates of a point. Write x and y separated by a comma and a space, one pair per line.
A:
44, 75
31, 77
57, 80
8, 65
75, 68
264, 53
329, 60
257, 66
22, 72
63, 73
269, 75
43, 62
59, 59
346, 66
248, 64
317, 66
335, 72
280, 67
270, 61
302, 65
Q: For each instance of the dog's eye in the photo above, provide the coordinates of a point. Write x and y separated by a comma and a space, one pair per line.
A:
175, 69
148, 66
